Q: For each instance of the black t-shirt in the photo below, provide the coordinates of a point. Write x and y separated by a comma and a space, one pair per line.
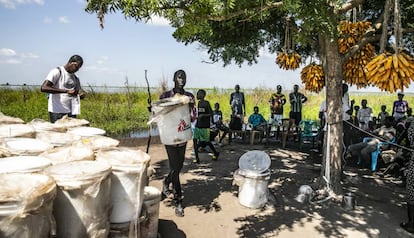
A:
203, 108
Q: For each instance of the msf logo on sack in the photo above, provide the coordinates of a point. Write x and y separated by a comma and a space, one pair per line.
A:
182, 126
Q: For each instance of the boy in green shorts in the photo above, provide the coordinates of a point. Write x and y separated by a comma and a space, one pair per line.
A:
201, 134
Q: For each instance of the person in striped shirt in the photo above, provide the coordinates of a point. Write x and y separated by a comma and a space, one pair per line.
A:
296, 100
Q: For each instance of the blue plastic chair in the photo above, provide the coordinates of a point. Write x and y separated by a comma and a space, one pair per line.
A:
308, 129
375, 153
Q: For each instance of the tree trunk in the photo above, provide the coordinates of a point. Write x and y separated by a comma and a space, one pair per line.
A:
333, 146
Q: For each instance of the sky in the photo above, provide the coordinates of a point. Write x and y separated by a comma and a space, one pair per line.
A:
39, 35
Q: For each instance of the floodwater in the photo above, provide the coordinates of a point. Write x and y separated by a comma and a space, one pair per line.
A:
144, 133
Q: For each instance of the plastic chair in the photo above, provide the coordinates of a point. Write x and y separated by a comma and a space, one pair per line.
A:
252, 133
375, 153
308, 129
239, 133
289, 129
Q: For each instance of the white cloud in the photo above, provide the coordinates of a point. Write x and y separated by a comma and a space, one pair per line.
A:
99, 69
102, 60
29, 55
64, 19
12, 4
7, 4
12, 61
39, 2
7, 52
158, 21
47, 20
10, 56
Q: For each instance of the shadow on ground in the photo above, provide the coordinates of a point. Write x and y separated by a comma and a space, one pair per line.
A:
380, 201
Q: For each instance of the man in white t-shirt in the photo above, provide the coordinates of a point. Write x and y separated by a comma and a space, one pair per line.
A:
63, 86
364, 116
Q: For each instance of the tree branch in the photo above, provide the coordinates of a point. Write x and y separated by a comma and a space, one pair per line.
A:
349, 5
368, 38
232, 15
407, 30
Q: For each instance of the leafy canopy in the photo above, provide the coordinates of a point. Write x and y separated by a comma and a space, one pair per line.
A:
235, 31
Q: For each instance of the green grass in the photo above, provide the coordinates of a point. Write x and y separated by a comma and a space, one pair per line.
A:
123, 112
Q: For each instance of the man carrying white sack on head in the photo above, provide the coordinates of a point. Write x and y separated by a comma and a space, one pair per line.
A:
176, 153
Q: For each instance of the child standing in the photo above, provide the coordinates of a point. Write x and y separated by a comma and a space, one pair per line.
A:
382, 115
201, 136
218, 121
355, 117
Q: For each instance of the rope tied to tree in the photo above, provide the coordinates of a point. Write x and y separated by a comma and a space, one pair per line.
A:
288, 41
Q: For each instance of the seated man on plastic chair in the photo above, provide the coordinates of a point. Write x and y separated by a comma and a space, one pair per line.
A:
257, 123
363, 150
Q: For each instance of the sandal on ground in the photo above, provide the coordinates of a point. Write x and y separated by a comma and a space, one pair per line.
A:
179, 211
215, 156
196, 160
165, 192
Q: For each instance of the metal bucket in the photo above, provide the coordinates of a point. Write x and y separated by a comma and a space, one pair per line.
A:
253, 177
253, 191
348, 201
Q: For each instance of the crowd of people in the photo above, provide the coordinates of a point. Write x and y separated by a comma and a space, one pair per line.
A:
63, 89
207, 123
364, 130
385, 127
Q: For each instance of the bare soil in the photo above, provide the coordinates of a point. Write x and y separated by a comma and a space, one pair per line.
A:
212, 208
